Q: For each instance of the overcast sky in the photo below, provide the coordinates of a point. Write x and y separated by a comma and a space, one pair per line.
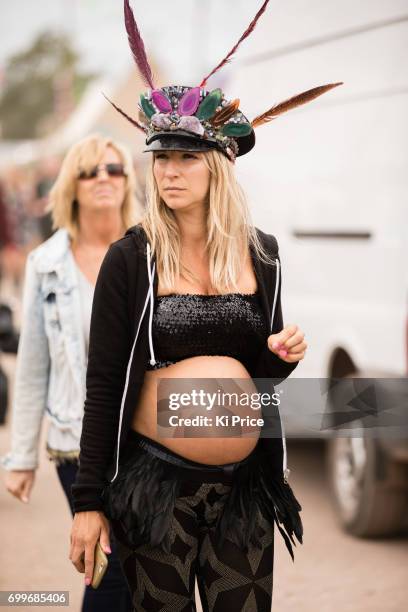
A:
97, 29
188, 37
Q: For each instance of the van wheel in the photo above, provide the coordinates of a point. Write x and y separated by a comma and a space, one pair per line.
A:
365, 505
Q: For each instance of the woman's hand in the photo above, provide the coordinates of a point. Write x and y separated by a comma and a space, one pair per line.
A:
19, 483
288, 344
87, 529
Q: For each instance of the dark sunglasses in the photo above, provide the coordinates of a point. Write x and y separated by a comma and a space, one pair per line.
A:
110, 169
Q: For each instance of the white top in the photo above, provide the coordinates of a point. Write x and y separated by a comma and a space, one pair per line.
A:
86, 291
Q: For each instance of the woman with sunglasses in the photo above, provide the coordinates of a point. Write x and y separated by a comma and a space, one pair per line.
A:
92, 203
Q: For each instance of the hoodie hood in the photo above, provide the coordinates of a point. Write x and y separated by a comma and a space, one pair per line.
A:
139, 238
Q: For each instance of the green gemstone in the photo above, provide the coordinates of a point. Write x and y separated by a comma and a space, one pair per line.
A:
147, 107
209, 105
237, 129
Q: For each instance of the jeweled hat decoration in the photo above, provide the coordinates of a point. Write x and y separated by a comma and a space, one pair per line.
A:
193, 118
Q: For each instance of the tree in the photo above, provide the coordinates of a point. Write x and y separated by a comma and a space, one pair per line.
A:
36, 82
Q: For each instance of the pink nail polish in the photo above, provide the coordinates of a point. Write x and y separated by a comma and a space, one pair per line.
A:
87, 581
275, 345
107, 549
283, 353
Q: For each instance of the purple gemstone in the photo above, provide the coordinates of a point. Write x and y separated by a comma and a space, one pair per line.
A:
161, 101
161, 120
191, 124
189, 102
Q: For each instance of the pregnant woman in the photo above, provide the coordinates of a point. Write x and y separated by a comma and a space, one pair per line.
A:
193, 291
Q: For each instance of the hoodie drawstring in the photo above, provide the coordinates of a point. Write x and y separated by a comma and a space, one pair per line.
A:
286, 470
151, 277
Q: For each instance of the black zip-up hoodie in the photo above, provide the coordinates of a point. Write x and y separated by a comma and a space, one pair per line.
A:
121, 344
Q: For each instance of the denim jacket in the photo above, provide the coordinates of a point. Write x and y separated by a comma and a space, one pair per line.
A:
51, 360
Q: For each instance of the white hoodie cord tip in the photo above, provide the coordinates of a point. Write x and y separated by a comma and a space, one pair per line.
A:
151, 294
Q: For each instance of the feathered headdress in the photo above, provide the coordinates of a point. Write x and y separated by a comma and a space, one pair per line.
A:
193, 118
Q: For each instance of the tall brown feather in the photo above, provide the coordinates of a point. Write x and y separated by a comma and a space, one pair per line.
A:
132, 121
137, 46
247, 32
286, 105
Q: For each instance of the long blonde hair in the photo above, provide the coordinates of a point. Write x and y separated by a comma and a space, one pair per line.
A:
84, 155
229, 228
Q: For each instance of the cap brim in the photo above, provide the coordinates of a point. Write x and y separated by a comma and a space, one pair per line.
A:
179, 141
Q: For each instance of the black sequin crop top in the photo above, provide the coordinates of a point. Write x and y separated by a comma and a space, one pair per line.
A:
187, 325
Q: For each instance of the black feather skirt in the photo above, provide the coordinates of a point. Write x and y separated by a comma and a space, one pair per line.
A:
139, 503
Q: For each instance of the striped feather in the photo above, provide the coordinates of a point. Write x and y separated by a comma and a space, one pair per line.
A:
293, 102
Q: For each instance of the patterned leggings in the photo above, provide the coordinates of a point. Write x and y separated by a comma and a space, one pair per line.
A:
230, 579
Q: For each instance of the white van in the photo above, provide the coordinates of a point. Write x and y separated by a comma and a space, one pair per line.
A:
330, 180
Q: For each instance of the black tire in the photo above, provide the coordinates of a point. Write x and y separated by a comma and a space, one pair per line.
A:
367, 502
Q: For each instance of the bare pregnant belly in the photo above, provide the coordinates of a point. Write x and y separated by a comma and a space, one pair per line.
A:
214, 449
